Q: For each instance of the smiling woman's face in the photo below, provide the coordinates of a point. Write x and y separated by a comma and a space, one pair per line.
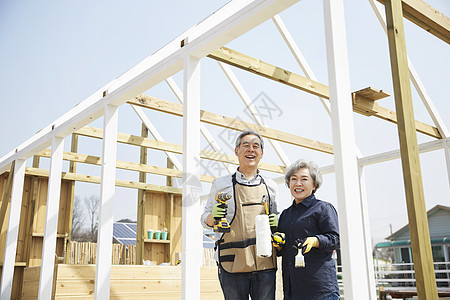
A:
301, 184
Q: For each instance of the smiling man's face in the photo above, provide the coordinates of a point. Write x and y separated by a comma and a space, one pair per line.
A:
249, 152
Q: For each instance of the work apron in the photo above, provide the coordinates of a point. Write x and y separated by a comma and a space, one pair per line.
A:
237, 248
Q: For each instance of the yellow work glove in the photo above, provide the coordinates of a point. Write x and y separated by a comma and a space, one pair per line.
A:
278, 239
273, 220
310, 242
218, 212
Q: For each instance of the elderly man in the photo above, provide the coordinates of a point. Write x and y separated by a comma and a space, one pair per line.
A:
241, 272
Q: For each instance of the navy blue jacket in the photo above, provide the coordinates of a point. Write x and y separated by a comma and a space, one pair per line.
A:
311, 217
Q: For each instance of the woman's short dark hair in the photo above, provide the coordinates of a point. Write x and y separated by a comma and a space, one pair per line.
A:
249, 132
300, 164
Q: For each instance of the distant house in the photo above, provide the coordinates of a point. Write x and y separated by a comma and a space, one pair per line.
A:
439, 226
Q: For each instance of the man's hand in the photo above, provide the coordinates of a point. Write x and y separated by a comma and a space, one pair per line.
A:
278, 239
310, 242
273, 220
218, 212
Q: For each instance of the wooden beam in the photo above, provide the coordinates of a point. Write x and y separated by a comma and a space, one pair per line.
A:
124, 165
360, 105
170, 223
96, 179
72, 169
231, 123
427, 17
170, 147
364, 103
272, 72
6, 195
31, 212
412, 175
140, 232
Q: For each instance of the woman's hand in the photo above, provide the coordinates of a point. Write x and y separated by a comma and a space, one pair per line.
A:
310, 242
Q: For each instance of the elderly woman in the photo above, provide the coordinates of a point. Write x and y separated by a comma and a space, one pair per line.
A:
315, 223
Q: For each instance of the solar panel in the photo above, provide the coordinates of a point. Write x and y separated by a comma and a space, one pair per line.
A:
127, 241
125, 233
121, 230
133, 227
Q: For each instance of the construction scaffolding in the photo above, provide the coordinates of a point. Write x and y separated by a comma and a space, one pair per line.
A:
180, 207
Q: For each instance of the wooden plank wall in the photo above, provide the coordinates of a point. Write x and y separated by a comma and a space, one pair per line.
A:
160, 209
127, 282
32, 215
38, 220
20, 253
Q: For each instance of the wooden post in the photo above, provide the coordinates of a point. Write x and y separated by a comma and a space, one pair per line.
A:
72, 169
170, 254
31, 213
141, 231
6, 195
417, 214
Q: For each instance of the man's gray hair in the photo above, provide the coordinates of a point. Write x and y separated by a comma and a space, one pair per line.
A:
300, 164
249, 132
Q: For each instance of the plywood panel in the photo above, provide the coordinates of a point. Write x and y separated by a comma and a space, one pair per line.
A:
162, 210
17, 282
127, 282
175, 234
22, 228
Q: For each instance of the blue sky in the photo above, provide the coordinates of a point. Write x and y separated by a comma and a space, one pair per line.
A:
55, 54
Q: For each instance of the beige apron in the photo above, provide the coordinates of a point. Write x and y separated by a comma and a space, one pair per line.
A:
237, 249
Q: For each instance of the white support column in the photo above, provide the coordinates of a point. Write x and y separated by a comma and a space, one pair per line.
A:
253, 110
309, 73
367, 237
154, 132
351, 223
51, 220
13, 230
289, 40
107, 193
191, 229
208, 136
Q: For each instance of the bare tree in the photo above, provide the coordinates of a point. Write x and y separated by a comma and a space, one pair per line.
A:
91, 205
77, 219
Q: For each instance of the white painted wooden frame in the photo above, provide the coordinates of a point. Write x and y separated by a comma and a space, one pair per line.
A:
155, 133
290, 42
191, 209
13, 230
51, 220
229, 22
107, 194
226, 24
208, 136
347, 180
253, 110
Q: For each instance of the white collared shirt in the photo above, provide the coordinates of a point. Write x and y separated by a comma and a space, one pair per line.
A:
225, 184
